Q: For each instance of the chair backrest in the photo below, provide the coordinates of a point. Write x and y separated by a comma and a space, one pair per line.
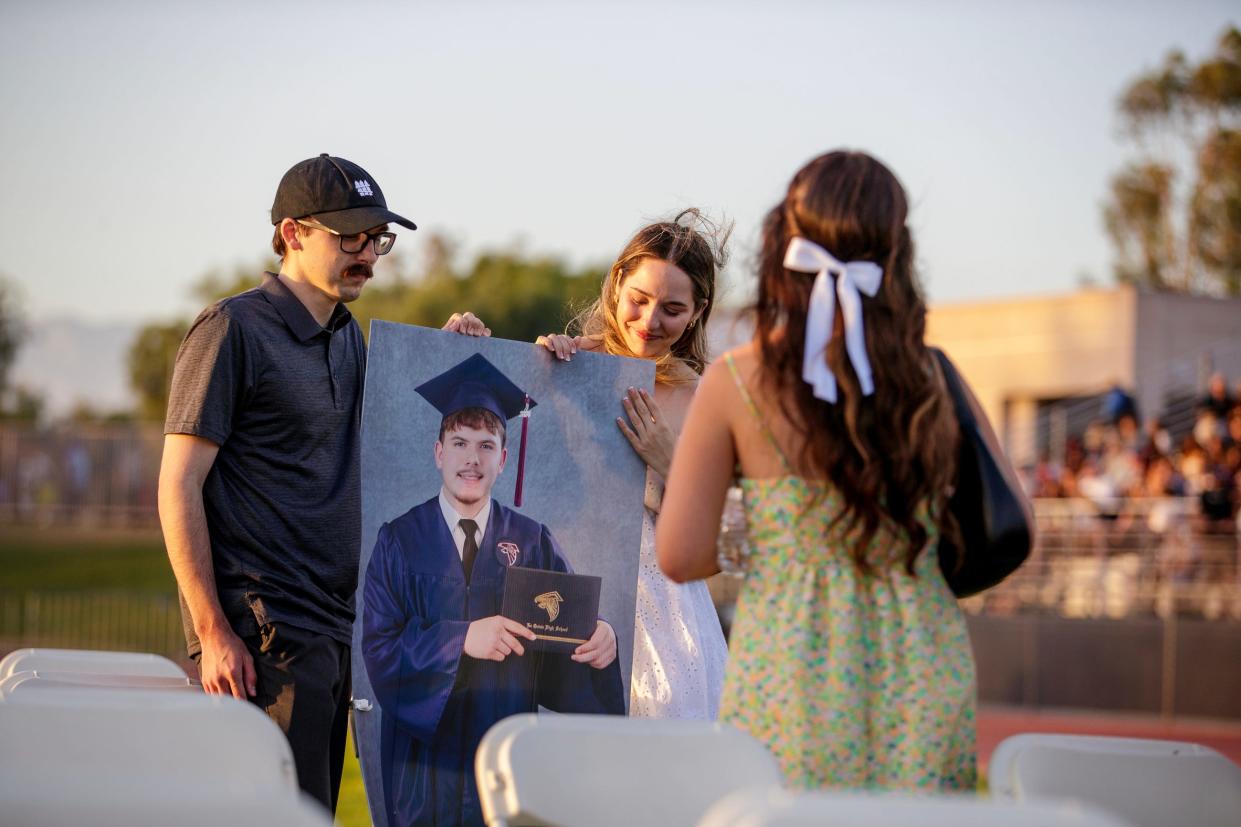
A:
184, 805
106, 744
38, 681
779, 808
1149, 782
608, 770
85, 660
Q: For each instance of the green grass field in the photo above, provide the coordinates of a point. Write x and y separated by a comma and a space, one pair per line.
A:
75, 569
58, 560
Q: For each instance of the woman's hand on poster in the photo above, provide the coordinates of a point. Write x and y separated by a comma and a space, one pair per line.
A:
495, 638
648, 430
558, 343
467, 324
600, 650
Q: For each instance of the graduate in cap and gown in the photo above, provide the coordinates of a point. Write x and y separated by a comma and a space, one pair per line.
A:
444, 664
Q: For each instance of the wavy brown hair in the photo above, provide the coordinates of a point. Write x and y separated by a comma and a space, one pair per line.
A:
893, 453
695, 245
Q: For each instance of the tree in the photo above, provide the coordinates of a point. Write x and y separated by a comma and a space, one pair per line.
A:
517, 295
151, 359
12, 330
1174, 212
216, 284
153, 352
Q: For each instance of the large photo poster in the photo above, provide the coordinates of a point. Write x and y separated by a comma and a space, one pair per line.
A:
526, 447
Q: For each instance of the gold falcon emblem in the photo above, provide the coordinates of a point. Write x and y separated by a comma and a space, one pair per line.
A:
550, 603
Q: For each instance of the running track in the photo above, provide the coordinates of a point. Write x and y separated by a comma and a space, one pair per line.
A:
997, 723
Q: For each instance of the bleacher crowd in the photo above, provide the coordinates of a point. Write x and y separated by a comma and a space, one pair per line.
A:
1118, 459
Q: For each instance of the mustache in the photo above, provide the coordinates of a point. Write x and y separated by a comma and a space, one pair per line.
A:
363, 270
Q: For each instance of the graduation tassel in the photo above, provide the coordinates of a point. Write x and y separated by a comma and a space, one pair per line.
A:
521, 452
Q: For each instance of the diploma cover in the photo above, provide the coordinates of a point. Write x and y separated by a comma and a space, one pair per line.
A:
561, 609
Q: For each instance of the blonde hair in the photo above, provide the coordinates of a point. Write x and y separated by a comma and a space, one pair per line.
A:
696, 246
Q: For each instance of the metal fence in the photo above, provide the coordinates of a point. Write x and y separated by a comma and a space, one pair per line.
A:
89, 475
121, 621
1151, 557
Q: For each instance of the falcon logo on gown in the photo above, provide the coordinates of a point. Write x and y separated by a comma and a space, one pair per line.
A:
509, 552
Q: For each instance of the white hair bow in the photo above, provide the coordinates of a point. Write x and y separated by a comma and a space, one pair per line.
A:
852, 279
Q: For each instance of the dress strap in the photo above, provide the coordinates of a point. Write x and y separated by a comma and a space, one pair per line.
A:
758, 417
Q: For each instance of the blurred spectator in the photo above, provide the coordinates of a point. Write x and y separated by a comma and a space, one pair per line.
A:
1045, 477
1193, 465
1162, 479
1118, 403
1120, 463
77, 470
1217, 401
1129, 432
1215, 484
1158, 440
1092, 441
1234, 426
1096, 486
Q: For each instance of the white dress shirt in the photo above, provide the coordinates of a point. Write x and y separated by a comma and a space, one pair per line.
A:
454, 526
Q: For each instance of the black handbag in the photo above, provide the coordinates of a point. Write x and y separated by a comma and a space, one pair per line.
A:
995, 531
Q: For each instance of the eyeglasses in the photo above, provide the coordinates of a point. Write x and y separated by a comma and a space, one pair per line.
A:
381, 243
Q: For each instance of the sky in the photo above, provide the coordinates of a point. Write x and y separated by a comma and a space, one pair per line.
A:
141, 142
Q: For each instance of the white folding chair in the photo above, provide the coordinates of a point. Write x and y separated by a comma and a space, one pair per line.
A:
89, 661
606, 770
780, 808
39, 680
109, 745
181, 805
1149, 782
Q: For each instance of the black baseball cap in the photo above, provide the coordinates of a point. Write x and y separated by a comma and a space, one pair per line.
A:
338, 193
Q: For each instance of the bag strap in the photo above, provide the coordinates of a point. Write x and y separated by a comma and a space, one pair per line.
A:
956, 389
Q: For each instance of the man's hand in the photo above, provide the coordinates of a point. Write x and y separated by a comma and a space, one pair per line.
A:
600, 650
466, 324
495, 638
226, 667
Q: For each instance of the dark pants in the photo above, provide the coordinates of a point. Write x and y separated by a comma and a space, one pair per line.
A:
304, 686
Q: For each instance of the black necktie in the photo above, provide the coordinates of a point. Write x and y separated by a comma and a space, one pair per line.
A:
470, 550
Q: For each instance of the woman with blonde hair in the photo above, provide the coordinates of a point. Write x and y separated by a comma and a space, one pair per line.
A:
849, 656
654, 304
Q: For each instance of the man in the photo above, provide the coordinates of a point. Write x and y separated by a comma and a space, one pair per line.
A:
259, 494
444, 663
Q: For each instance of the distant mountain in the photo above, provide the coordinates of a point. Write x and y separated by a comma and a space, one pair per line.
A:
68, 361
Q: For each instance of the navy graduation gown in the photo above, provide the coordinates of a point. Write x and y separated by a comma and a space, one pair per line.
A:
437, 702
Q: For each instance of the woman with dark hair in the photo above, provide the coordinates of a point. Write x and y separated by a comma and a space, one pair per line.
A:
850, 657
654, 304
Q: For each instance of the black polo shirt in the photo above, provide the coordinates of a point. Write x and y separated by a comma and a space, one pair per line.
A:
282, 398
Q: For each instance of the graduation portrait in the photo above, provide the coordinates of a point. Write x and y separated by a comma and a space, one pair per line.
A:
482, 460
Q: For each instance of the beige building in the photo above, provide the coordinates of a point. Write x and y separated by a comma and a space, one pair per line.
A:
1040, 365
1030, 357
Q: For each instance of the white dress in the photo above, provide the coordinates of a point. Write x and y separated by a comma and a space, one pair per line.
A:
679, 651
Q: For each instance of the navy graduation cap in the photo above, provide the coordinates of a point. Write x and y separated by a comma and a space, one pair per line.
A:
476, 383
